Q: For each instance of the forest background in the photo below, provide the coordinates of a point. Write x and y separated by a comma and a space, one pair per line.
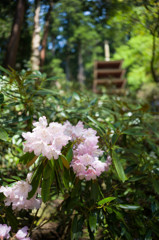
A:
47, 54
64, 38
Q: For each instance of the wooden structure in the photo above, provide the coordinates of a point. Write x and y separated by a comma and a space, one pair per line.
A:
110, 75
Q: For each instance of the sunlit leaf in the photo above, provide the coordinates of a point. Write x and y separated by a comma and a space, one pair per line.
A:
3, 134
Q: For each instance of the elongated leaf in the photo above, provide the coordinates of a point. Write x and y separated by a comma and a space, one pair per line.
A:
155, 185
119, 167
2, 197
46, 183
52, 78
4, 70
134, 132
69, 155
95, 193
9, 180
47, 171
3, 134
1, 98
45, 191
27, 157
36, 180
114, 138
65, 162
76, 96
93, 221
128, 207
66, 178
106, 200
76, 228
97, 124
11, 218
32, 161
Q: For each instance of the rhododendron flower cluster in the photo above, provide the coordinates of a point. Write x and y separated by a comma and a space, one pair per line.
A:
46, 140
86, 152
20, 235
18, 193
4, 231
49, 141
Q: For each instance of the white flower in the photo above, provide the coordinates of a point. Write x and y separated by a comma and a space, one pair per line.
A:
22, 233
4, 231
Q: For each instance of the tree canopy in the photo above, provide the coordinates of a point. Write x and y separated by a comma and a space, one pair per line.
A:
71, 37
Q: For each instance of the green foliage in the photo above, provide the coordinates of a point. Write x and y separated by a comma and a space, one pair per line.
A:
138, 41
137, 57
121, 202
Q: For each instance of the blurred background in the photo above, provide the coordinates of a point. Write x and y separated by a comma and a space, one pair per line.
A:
64, 38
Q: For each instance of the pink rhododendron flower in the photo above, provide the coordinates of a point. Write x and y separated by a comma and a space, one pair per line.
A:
49, 141
17, 196
22, 233
86, 152
74, 131
88, 167
4, 231
46, 140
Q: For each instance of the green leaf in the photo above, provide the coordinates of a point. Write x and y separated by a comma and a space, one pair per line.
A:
16, 178
69, 155
1, 98
76, 96
52, 78
95, 192
9, 180
45, 191
118, 167
36, 180
46, 183
134, 132
74, 228
65, 162
106, 200
11, 218
4, 70
32, 161
93, 221
119, 216
2, 197
155, 185
3, 134
27, 157
128, 207
47, 171
114, 138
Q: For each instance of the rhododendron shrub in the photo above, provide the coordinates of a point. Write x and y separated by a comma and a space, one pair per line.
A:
49, 140
20, 235
63, 155
16, 196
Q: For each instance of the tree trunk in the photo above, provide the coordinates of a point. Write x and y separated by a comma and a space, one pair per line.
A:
155, 78
13, 43
35, 58
80, 76
44, 39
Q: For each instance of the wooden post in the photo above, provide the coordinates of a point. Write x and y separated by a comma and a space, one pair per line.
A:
106, 50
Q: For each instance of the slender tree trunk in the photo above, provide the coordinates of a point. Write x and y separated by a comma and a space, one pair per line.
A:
35, 58
13, 43
44, 39
156, 79
80, 76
